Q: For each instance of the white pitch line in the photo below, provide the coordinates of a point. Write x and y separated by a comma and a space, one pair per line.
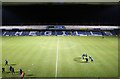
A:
57, 57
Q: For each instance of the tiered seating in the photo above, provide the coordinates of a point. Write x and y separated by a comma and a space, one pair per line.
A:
38, 33
6, 33
68, 33
53, 33
103, 33
63, 33
108, 33
88, 33
97, 33
25, 33
60, 27
82, 33
114, 32
42, 33
18, 33
59, 33
74, 33
48, 33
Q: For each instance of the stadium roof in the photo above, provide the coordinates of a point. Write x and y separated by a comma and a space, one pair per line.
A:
60, 0
67, 27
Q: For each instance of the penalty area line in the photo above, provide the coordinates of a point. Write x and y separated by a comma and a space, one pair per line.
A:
57, 51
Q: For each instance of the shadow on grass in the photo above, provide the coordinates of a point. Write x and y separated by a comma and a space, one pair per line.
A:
8, 72
80, 60
29, 75
17, 71
12, 64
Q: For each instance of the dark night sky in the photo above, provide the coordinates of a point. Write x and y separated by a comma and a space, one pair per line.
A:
81, 14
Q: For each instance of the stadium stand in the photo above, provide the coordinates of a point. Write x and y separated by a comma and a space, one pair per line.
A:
60, 31
108, 33
97, 33
81, 33
88, 33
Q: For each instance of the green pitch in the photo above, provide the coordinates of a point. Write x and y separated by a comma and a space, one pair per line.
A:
60, 56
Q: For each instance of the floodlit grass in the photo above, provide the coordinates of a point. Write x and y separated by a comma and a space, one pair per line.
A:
0, 57
54, 56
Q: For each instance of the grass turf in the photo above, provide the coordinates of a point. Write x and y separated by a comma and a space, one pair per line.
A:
50, 56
